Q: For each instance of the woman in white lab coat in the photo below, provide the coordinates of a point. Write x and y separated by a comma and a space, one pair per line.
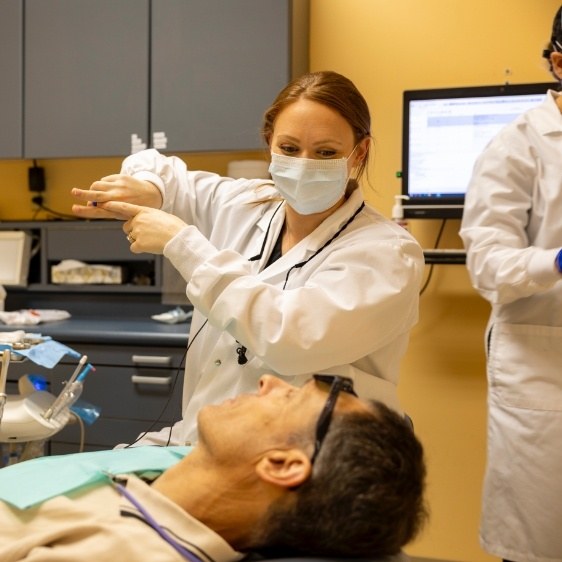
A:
293, 276
512, 230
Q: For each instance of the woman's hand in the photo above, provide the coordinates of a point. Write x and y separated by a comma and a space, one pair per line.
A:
117, 187
147, 230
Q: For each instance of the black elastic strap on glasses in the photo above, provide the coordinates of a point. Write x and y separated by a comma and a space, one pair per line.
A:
337, 384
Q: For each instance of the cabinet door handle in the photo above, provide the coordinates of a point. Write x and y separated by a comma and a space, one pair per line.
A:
158, 381
151, 360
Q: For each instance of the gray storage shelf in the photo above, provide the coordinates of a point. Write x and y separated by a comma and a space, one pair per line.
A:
91, 242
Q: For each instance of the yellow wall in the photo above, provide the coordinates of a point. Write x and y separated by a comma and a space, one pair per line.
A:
385, 47
63, 174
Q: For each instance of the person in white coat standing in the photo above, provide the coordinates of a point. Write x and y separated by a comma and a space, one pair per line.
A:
512, 231
295, 276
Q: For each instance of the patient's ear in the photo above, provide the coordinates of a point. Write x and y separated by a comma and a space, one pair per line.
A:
286, 469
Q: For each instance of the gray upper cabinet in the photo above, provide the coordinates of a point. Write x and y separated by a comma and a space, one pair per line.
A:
109, 77
216, 66
86, 76
11, 65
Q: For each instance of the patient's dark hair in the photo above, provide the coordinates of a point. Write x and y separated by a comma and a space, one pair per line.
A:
365, 497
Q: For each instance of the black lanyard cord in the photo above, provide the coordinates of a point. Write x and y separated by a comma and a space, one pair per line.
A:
258, 256
241, 349
325, 245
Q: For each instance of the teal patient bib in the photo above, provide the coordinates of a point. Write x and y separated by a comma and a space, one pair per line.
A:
32, 482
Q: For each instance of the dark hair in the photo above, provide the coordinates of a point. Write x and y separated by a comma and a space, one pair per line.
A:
365, 497
555, 43
332, 90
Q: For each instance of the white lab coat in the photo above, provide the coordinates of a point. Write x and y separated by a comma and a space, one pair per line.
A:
512, 229
348, 310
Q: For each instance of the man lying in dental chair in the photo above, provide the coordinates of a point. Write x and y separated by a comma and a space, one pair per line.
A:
311, 471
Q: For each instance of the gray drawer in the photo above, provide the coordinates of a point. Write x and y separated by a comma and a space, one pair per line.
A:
16, 370
155, 357
132, 393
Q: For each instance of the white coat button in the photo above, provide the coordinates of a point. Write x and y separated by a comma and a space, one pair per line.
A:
218, 362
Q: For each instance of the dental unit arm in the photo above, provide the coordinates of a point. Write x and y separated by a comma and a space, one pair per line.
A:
37, 414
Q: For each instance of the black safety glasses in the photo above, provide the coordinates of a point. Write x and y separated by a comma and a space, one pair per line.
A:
337, 384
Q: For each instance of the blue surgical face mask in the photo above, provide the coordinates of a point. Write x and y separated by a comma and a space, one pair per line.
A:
309, 186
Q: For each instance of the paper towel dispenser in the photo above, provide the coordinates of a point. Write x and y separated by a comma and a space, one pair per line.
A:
15, 249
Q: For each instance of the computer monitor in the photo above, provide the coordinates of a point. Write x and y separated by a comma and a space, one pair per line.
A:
15, 247
444, 130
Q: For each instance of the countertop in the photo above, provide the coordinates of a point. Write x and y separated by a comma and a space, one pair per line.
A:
133, 330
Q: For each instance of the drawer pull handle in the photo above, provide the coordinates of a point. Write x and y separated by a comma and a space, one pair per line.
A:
152, 360
159, 381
